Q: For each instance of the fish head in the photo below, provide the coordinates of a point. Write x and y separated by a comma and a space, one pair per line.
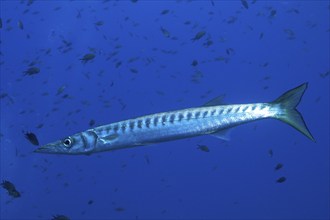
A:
75, 144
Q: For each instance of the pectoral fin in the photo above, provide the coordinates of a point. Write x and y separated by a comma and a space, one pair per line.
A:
108, 138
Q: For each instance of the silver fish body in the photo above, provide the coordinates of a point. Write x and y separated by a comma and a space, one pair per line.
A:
179, 124
173, 125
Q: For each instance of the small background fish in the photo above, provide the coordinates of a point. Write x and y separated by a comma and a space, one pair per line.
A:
65, 65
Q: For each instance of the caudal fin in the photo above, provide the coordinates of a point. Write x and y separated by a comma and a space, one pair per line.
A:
288, 113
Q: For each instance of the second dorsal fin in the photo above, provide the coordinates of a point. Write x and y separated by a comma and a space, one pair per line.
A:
215, 101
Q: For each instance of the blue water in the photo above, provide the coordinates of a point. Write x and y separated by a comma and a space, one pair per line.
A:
143, 64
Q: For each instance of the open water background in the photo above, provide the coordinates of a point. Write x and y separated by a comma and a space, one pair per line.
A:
143, 64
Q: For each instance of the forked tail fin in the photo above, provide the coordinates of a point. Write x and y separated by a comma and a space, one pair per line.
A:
288, 113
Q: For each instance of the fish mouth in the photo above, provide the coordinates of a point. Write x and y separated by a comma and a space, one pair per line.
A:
42, 149
48, 148
38, 150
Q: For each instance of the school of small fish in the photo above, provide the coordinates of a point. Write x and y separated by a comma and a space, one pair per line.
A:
123, 63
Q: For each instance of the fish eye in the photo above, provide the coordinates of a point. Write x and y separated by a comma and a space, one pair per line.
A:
67, 142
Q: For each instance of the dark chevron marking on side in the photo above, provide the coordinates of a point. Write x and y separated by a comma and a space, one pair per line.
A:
189, 115
108, 129
164, 118
213, 112
139, 123
147, 122
156, 120
123, 127
172, 118
205, 114
132, 124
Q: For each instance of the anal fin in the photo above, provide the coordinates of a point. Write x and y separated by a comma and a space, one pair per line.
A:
222, 134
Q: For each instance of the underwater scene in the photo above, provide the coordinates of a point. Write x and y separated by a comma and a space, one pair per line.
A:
180, 109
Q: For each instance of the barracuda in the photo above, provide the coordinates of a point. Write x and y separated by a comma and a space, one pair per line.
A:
210, 119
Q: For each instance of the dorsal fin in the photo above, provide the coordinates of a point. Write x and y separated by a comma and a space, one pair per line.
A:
215, 101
